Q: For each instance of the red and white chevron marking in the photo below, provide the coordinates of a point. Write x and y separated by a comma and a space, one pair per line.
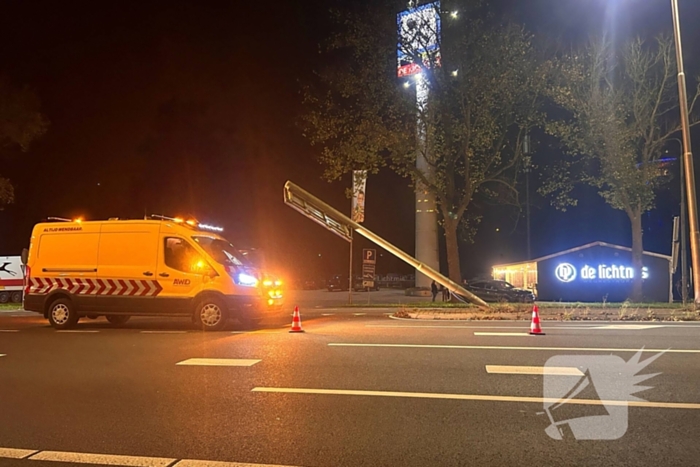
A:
85, 286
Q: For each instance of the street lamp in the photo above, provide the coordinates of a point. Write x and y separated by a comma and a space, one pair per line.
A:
687, 158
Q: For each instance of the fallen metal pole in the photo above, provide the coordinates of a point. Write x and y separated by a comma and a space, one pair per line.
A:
340, 224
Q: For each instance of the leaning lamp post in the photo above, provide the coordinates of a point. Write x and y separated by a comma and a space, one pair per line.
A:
687, 158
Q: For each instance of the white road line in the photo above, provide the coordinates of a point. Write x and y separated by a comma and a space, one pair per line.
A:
359, 314
481, 397
163, 332
524, 326
103, 459
9, 330
2, 354
327, 314
196, 463
260, 331
533, 370
10, 453
218, 362
497, 347
507, 334
78, 331
627, 327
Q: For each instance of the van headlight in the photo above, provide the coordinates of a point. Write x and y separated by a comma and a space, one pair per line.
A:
247, 280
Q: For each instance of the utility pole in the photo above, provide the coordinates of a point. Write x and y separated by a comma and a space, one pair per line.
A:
527, 152
684, 241
350, 278
687, 158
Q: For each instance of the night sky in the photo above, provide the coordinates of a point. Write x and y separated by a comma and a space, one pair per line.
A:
190, 108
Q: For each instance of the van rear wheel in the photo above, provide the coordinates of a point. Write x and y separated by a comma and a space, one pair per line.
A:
62, 314
117, 320
210, 314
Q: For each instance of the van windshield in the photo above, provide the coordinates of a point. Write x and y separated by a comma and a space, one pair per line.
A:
221, 251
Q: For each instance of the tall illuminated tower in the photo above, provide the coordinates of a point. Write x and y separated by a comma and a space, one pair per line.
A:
418, 50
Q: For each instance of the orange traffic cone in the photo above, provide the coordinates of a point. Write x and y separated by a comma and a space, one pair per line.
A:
535, 328
296, 321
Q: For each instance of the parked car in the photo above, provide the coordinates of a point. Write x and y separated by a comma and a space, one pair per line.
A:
358, 286
310, 284
341, 283
499, 291
337, 283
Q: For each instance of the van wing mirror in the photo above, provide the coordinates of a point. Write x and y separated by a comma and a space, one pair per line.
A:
25, 256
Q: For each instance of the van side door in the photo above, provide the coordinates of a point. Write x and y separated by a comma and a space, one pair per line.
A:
181, 270
67, 259
126, 267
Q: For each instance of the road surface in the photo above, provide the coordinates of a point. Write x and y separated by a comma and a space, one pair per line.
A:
356, 389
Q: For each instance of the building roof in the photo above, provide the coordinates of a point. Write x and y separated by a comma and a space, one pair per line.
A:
583, 247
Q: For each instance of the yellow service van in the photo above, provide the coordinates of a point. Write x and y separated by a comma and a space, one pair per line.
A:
154, 267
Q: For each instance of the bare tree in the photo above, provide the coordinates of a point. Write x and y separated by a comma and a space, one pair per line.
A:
621, 106
20, 123
486, 87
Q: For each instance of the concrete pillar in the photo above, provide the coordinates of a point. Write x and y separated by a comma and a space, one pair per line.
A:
426, 210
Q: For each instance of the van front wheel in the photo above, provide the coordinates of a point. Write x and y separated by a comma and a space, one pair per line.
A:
210, 314
62, 314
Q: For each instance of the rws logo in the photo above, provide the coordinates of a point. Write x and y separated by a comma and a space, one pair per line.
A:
181, 282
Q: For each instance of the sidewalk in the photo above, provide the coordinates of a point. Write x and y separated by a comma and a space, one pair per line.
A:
574, 312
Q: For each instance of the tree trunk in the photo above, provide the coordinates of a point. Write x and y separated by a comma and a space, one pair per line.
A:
452, 242
637, 255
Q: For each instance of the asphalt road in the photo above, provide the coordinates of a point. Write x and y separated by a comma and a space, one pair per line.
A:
356, 389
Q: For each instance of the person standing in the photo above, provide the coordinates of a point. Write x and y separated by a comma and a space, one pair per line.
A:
434, 289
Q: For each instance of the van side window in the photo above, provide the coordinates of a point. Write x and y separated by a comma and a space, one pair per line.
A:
181, 255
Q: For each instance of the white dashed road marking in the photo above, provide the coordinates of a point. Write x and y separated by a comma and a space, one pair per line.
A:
77, 331
533, 370
110, 459
630, 327
102, 459
9, 453
498, 347
196, 463
259, 331
447, 326
359, 314
219, 362
2, 354
9, 330
506, 334
163, 332
481, 397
